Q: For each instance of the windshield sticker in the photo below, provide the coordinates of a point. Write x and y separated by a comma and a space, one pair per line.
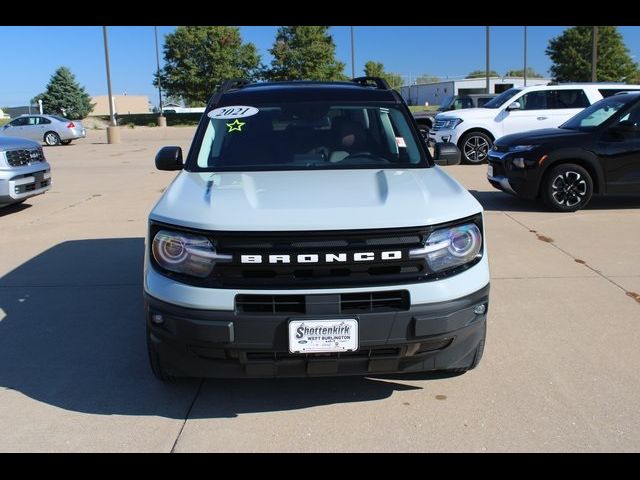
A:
235, 126
400, 142
231, 112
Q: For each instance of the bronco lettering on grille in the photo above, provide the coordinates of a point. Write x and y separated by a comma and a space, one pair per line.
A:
324, 258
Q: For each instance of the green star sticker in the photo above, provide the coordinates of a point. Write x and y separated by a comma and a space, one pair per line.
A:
235, 126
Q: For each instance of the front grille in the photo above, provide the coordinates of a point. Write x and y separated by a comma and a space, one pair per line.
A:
347, 303
366, 353
372, 302
336, 263
271, 304
30, 187
438, 125
22, 157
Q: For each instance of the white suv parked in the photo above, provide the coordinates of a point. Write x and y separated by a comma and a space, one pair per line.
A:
517, 110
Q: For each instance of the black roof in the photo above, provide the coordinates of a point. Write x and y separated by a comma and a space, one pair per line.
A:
295, 91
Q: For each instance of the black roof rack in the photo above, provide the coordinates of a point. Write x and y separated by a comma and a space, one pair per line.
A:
380, 83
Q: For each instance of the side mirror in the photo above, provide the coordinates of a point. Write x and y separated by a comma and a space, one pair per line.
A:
514, 106
446, 154
169, 158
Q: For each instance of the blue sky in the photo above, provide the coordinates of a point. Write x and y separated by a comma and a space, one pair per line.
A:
30, 55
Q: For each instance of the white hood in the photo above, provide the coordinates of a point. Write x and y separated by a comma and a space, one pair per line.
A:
314, 200
471, 113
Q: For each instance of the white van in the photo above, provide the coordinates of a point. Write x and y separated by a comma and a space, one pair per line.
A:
517, 110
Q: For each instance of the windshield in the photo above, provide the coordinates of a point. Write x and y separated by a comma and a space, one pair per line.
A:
592, 117
313, 135
501, 99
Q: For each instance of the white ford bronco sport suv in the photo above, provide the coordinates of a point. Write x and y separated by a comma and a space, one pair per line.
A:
517, 110
310, 232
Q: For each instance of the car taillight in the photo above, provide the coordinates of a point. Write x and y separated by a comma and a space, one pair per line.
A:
71, 125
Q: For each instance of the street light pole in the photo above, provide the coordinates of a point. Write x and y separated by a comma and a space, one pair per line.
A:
594, 54
353, 56
113, 133
525, 56
488, 86
162, 120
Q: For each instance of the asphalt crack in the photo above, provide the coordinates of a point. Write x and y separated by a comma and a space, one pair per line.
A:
186, 417
551, 242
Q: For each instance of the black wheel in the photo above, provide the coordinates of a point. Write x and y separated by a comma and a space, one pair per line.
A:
52, 139
475, 147
156, 364
567, 188
65, 142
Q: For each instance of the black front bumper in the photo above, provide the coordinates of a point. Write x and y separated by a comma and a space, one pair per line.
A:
521, 182
205, 343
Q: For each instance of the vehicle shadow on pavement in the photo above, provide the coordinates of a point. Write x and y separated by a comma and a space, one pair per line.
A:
15, 208
233, 397
72, 336
503, 202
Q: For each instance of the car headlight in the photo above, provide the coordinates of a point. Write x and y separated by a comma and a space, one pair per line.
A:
185, 253
450, 123
450, 247
522, 148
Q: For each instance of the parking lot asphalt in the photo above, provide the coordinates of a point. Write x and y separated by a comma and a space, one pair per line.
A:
558, 372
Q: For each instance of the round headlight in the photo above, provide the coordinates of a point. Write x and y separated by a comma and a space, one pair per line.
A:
169, 249
184, 253
464, 241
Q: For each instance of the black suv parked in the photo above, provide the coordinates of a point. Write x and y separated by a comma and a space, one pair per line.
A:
425, 119
596, 151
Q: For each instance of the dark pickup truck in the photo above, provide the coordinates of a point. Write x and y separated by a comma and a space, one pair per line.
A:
425, 119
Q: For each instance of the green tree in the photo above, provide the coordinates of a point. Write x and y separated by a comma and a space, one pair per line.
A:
482, 73
531, 73
65, 96
571, 53
376, 69
199, 59
304, 53
426, 78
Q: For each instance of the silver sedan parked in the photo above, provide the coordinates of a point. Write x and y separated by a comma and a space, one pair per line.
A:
50, 129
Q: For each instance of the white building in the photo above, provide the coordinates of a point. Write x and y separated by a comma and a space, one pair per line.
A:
435, 93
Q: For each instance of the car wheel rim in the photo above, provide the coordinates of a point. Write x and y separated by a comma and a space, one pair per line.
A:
476, 149
51, 139
569, 188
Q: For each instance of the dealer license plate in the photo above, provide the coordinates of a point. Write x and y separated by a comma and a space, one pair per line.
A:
323, 336
490, 171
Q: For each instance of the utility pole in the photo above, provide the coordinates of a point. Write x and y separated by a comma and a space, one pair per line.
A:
113, 133
525, 56
594, 54
162, 120
488, 86
353, 56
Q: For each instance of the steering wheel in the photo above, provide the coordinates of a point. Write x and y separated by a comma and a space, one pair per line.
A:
364, 154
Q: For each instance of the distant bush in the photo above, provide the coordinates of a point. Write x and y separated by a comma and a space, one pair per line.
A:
145, 119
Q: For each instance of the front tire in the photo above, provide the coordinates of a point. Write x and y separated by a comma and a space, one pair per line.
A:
567, 188
52, 139
475, 147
